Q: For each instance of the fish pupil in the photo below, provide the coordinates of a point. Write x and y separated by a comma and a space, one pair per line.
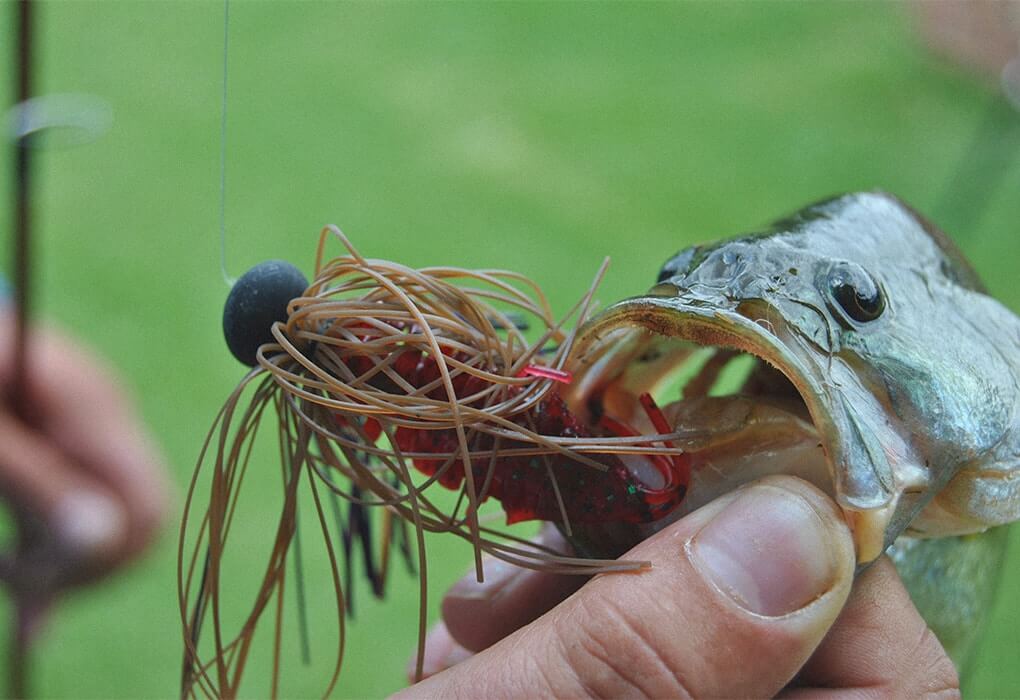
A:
856, 293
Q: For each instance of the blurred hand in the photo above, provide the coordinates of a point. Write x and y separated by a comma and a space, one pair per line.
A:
749, 596
86, 485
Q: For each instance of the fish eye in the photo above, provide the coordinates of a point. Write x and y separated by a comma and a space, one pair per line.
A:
855, 292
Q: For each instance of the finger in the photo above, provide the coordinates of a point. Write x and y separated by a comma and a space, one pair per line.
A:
441, 652
78, 405
881, 645
79, 516
739, 596
93, 421
478, 615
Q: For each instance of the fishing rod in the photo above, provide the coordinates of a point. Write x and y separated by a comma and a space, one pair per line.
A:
26, 614
22, 221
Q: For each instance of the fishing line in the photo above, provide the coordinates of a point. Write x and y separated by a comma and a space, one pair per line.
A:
222, 150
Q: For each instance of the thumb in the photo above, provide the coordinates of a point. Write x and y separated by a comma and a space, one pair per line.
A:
739, 595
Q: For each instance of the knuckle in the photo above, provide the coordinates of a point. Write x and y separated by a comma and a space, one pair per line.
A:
612, 654
935, 676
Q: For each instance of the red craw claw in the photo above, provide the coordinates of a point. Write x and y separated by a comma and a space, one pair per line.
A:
679, 476
675, 470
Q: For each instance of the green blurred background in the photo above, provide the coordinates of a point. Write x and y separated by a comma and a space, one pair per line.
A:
536, 137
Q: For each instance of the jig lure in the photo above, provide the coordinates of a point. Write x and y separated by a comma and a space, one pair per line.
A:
387, 380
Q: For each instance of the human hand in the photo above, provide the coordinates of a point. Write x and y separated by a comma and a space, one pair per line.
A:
86, 485
749, 596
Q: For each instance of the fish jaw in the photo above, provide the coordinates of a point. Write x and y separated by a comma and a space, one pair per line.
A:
879, 496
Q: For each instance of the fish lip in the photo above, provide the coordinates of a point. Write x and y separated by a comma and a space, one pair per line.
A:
869, 506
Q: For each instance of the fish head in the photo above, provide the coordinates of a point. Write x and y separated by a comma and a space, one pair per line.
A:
867, 314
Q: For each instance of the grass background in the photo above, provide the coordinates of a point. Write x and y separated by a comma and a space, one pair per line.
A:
536, 137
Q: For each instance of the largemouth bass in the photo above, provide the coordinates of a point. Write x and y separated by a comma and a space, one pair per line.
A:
875, 366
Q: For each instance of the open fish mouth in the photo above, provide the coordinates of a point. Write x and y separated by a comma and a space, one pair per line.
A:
784, 407
868, 335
